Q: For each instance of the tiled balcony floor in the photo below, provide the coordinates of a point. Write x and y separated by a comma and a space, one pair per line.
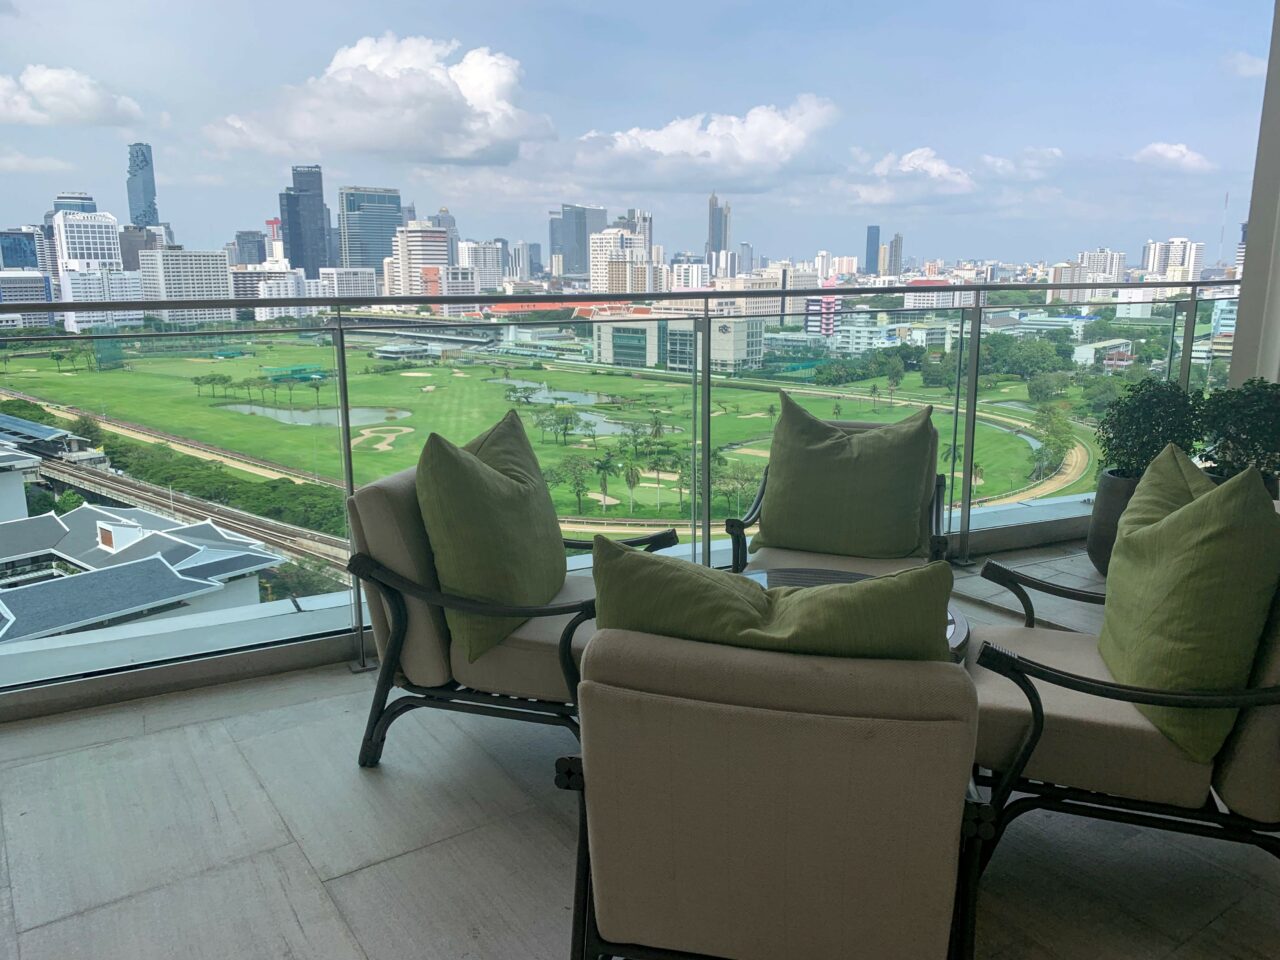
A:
233, 821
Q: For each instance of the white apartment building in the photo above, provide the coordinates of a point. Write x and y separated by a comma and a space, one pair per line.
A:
1177, 258
187, 275
844, 266
1103, 264
690, 276
294, 284
822, 264
87, 244
1133, 304
485, 258
520, 267
613, 246
628, 276
936, 295
25, 286
245, 277
768, 307
856, 336
416, 245
98, 284
641, 338
349, 281
937, 336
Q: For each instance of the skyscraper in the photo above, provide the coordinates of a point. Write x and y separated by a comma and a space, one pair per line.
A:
571, 236
717, 230
141, 187
449, 222
304, 221
484, 257
895, 255
367, 220
872, 260
639, 222
19, 249
251, 246
746, 257
415, 246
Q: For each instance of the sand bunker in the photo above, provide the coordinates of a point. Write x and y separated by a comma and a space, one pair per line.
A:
717, 413
749, 416
459, 373
417, 373
608, 502
382, 437
658, 476
199, 360
428, 388
752, 452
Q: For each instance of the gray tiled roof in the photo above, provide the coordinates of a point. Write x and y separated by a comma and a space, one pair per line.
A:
21, 538
68, 603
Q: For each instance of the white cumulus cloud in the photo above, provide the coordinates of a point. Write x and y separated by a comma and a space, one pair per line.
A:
41, 96
11, 161
924, 162
1246, 64
407, 97
733, 150
1177, 156
1032, 163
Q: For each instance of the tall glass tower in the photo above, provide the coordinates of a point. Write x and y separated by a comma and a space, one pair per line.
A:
367, 222
142, 187
304, 221
872, 263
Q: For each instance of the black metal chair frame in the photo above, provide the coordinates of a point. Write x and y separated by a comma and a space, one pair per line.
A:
393, 588
737, 528
587, 944
1207, 821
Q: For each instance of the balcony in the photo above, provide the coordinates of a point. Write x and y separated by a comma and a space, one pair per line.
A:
186, 757
232, 820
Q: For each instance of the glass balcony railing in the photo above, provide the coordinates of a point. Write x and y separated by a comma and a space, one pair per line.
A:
171, 492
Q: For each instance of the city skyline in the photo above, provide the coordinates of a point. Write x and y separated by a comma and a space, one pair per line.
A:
512, 133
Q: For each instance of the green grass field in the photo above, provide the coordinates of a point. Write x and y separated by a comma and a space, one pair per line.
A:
460, 402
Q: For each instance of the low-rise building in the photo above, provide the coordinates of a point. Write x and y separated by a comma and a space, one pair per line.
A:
1113, 354
25, 286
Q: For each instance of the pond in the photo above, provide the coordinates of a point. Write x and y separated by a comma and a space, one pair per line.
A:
544, 394
322, 417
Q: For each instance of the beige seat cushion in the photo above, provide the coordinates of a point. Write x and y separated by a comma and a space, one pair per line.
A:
777, 557
386, 524
1091, 743
527, 663
1247, 775
763, 805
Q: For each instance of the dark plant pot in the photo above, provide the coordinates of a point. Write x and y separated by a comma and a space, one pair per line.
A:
1114, 494
1269, 480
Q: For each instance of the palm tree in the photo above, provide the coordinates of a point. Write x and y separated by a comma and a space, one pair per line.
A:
316, 385
631, 476
605, 466
772, 410
656, 427
835, 409
289, 385
875, 394
658, 459
589, 431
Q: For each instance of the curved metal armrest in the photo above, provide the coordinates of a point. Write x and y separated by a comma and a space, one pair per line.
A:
366, 568
1008, 664
1015, 581
737, 527
650, 541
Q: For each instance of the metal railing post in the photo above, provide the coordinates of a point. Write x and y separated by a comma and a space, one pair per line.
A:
695, 461
705, 367
974, 318
1188, 340
348, 484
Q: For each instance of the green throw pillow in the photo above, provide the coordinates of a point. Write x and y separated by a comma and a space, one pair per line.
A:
860, 494
898, 617
1191, 580
492, 526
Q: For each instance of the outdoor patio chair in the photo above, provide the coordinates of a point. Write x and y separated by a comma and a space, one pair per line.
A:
529, 676
774, 557
750, 805
1064, 736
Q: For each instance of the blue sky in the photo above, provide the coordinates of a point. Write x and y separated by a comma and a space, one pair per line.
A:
1010, 130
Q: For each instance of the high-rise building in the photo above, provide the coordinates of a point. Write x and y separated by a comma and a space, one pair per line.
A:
1244, 236
175, 274
408, 214
822, 264
96, 284
449, 222
251, 247
1068, 273
293, 283
844, 266
484, 257
895, 256
872, 259
505, 248
19, 249
717, 232
570, 234
134, 238
454, 281
882, 260
746, 257
1103, 264
349, 282
141, 187
614, 245
75, 201
413, 247
521, 267
1177, 258
690, 276
25, 286
87, 243
637, 221
368, 218
304, 221
536, 267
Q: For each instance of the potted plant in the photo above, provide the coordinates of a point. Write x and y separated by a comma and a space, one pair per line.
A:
1136, 426
1242, 430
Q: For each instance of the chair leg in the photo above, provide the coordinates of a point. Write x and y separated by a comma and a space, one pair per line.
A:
582, 880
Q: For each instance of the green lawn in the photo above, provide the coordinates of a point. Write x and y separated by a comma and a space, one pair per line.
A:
460, 402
